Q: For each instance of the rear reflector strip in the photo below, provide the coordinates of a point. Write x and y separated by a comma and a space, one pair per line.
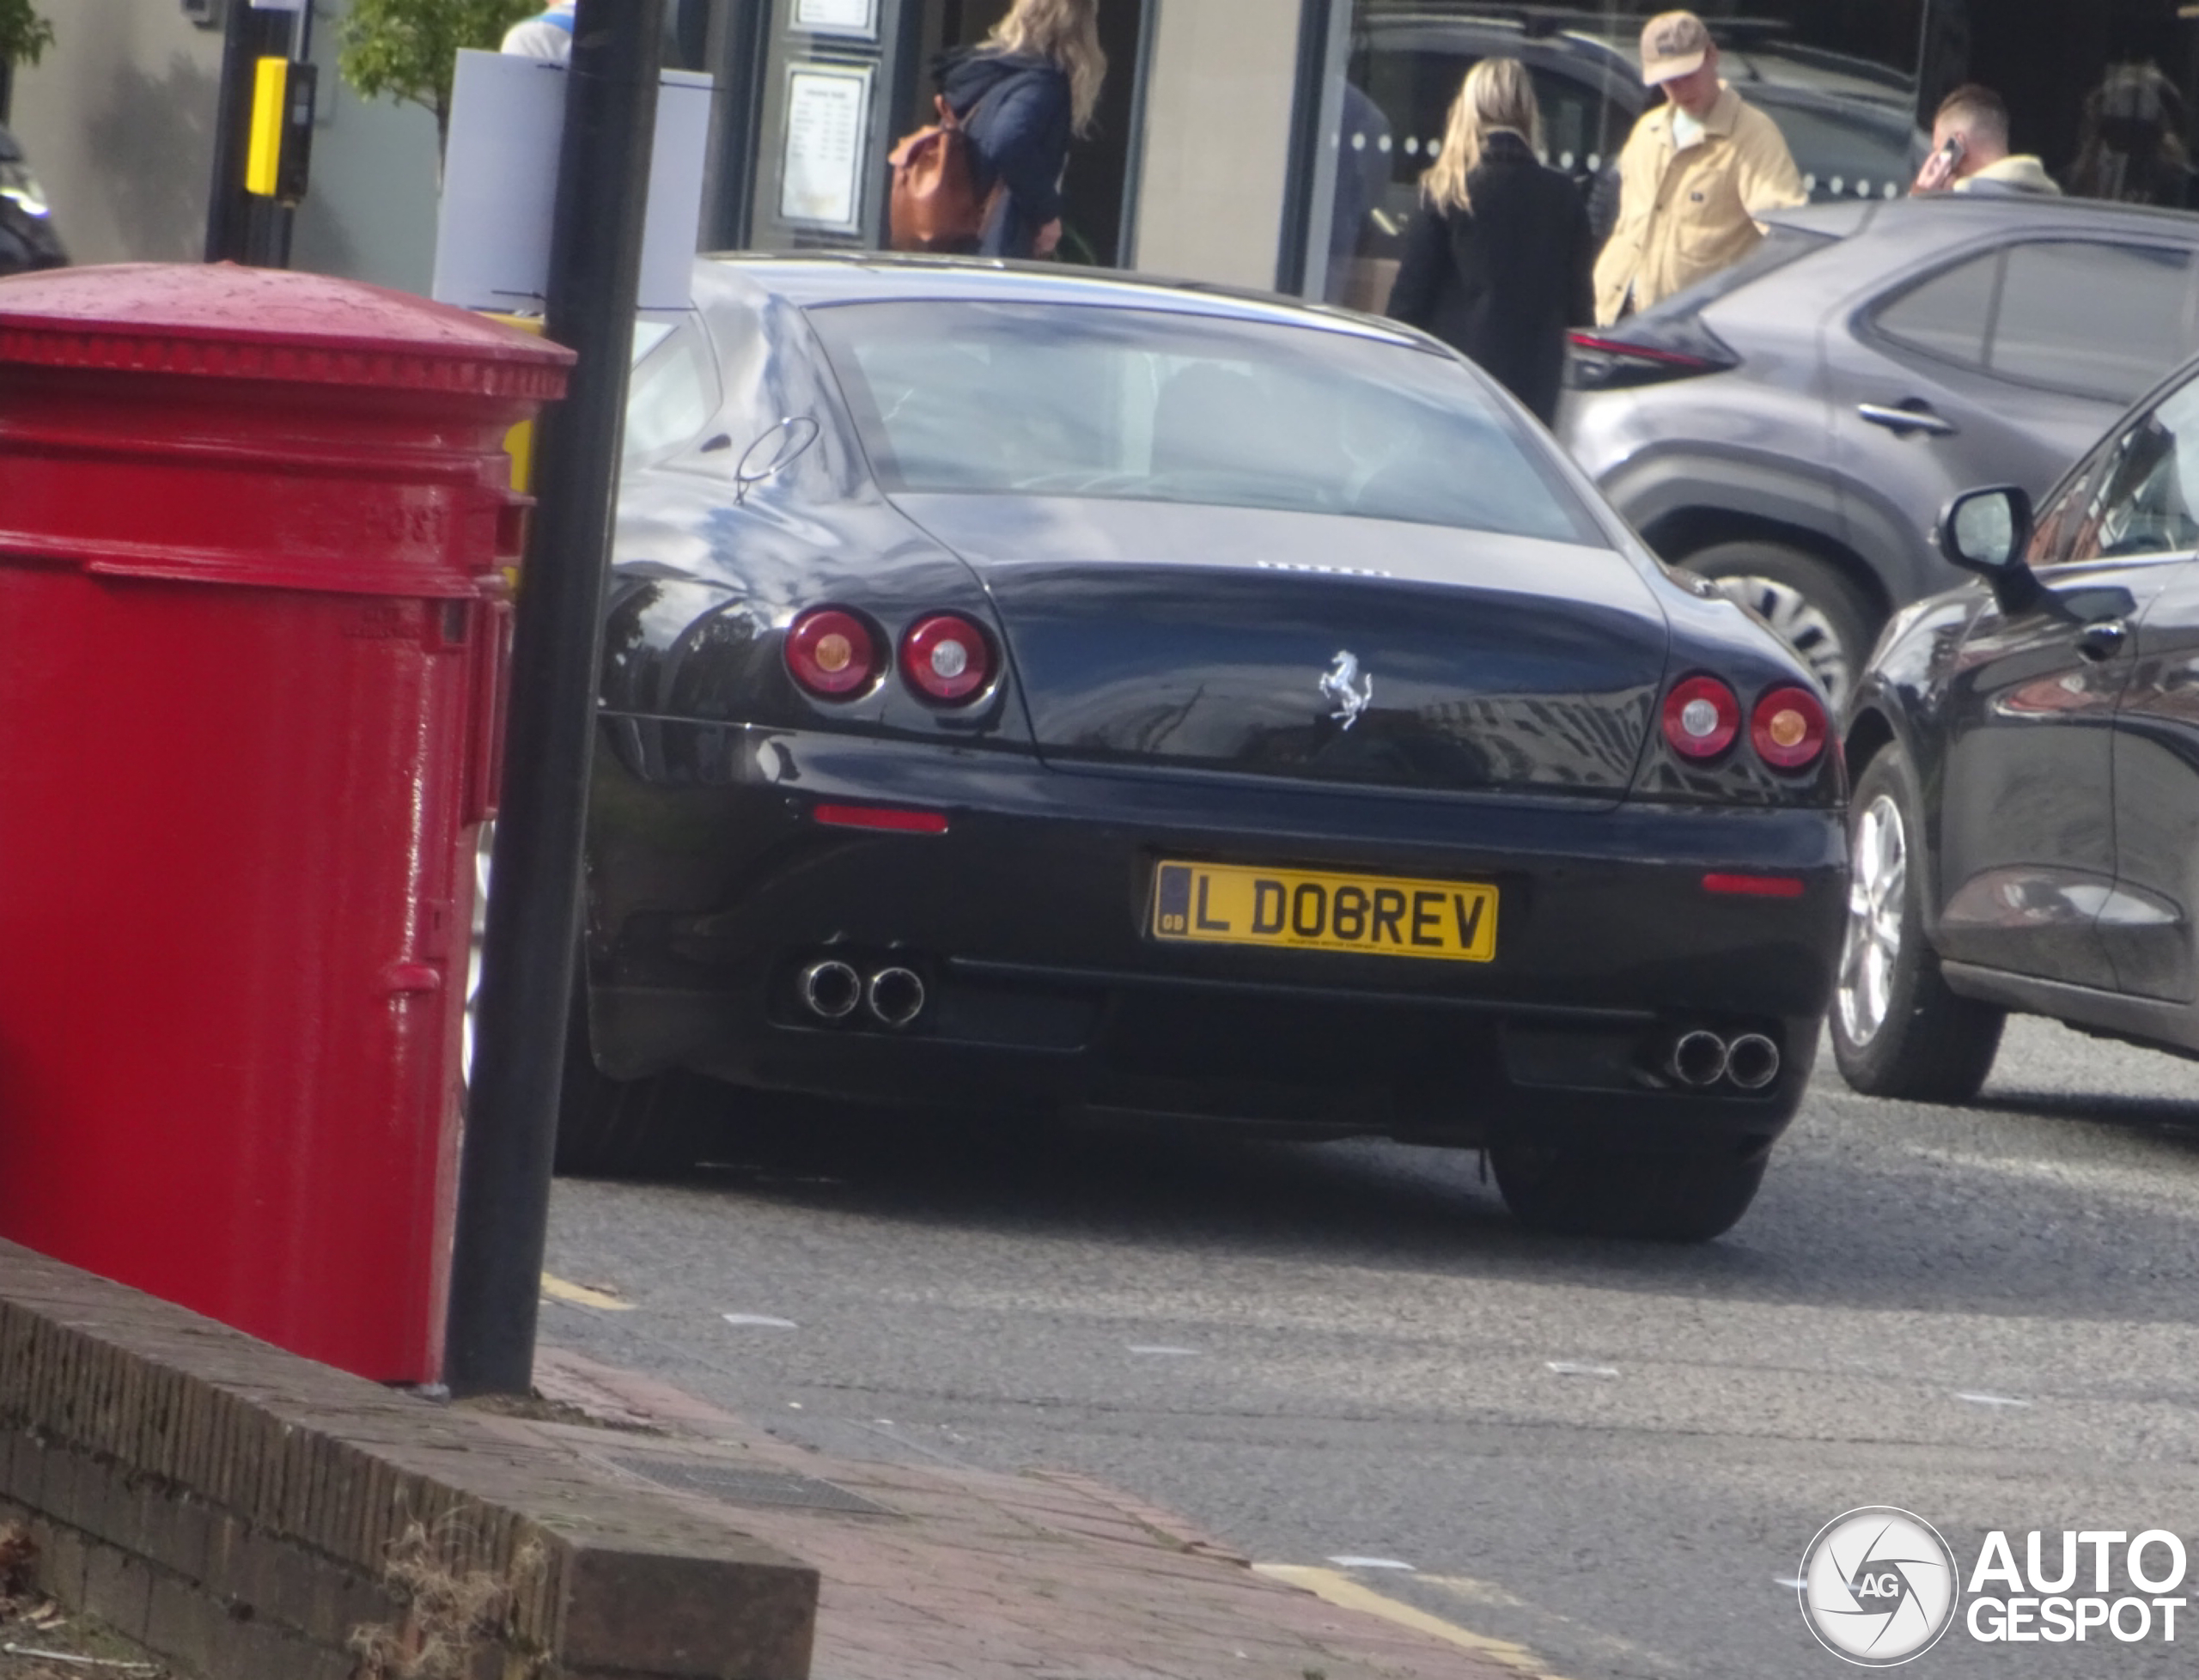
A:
1754, 887
879, 816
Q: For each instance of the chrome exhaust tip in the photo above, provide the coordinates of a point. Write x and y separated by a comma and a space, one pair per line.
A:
1752, 1061
831, 990
1699, 1059
896, 995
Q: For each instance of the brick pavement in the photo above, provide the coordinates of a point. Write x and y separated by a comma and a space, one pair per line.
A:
976, 1575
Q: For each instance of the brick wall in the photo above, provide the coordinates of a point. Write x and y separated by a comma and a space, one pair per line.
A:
234, 1507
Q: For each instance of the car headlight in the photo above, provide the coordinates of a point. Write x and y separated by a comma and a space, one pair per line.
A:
20, 188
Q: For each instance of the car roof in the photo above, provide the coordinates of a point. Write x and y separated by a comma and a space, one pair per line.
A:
1968, 215
812, 279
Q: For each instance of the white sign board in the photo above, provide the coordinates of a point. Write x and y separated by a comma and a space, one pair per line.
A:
828, 131
500, 185
858, 18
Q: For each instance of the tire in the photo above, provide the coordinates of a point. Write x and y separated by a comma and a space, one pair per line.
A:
1810, 603
1897, 1030
1576, 1191
625, 1129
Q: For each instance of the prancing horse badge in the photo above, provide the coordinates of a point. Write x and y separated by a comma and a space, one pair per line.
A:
1348, 688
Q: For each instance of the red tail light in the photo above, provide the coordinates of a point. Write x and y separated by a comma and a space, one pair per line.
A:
1679, 360
1789, 728
1702, 717
947, 657
832, 653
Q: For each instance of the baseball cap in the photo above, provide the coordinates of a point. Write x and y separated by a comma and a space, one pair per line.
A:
1672, 44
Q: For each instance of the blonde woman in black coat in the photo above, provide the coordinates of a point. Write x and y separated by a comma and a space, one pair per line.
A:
1500, 262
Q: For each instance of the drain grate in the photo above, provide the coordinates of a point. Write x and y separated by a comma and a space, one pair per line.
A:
747, 1487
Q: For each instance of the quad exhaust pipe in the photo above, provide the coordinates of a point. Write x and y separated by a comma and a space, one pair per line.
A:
832, 990
1701, 1059
896, 995
1752, 1061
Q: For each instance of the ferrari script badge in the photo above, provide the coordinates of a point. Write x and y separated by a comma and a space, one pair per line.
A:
1351, 690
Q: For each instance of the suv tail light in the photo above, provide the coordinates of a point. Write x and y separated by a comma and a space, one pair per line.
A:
1601, 361
1789, 728
947, 657
1702, 717
832, 653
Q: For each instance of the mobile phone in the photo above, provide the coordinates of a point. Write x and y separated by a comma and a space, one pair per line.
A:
1951, 153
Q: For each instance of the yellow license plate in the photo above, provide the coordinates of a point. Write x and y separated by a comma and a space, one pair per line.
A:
1222, 903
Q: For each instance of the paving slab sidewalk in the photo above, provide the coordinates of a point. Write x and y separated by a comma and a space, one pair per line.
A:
968, 1575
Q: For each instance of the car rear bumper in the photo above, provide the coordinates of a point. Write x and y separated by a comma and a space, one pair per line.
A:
714, 887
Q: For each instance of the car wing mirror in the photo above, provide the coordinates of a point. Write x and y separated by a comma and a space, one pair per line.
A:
1988, 531
772, 454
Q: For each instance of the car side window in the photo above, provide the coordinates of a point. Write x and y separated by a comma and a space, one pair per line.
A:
2085, 316
672, 390
2145, 500
1947, 314
2090, 317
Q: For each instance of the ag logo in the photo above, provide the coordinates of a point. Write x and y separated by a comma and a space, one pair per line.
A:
1878, 1586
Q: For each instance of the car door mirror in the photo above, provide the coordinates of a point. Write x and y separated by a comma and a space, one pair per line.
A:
1987, 530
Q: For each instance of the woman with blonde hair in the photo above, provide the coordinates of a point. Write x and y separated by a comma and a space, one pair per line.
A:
1500, 261
1033, 84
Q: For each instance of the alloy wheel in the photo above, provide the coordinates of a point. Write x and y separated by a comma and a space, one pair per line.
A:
1803, 625
1878, 892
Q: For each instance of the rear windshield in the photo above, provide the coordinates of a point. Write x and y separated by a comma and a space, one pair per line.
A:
1075, 400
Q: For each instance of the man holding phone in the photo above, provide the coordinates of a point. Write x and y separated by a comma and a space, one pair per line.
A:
1970, 150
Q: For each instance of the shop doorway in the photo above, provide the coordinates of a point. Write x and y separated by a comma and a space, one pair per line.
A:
1098, 188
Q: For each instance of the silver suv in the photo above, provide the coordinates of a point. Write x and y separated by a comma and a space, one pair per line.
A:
1794, 427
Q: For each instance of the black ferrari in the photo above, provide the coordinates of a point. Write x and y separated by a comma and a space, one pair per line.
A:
2027, 775
1073, 696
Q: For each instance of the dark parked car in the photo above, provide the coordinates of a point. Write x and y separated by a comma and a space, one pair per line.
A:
1049, 693
1794, 427
27, 239
2027, 751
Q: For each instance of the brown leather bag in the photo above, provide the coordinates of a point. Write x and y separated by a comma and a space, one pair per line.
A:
935, 204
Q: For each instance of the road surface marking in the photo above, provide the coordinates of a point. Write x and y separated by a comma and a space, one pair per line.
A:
1331, 1586
757, 1321
579, 1294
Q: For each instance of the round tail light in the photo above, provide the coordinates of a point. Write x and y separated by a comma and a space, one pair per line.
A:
1789, 728
947, 657
832, 653
1702, 717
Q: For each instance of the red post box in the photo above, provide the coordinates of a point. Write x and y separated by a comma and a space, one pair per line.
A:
252, 638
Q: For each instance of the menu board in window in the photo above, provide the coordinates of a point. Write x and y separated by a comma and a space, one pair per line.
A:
827, 135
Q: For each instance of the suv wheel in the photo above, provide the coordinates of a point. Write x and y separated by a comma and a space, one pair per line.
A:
1809, 603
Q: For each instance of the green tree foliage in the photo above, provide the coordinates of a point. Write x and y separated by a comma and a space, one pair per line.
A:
24, 32
408, 49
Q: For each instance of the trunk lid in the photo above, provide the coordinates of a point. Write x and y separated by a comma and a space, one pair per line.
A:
1314, 647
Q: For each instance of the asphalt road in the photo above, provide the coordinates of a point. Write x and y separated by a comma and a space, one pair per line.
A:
1614, 1453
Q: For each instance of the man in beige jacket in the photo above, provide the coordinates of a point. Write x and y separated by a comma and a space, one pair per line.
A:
1696, 173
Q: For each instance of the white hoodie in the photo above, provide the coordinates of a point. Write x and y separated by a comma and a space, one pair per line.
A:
2020, 174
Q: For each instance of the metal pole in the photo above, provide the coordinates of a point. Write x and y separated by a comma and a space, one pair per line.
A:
236, 223
526, 955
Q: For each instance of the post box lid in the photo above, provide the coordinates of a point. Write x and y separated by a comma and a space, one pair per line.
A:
224, 321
